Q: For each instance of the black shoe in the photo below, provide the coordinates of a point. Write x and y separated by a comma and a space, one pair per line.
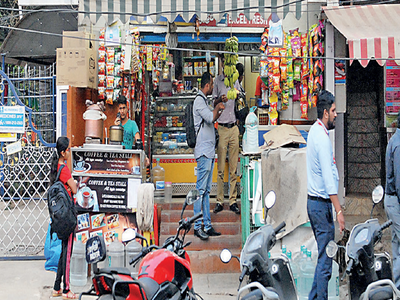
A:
212, 232
235, 208
218, 208
201, 234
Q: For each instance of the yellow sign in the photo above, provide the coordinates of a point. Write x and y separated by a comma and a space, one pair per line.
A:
8, 137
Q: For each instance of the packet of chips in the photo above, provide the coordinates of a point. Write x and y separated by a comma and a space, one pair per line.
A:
110, 54
283, 72
109, 97
297, 70
304, 110
296, 43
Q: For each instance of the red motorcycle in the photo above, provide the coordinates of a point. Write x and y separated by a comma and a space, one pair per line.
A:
164, 272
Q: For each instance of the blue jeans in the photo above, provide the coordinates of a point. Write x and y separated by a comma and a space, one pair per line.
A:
320, 214
392, 208
205, 167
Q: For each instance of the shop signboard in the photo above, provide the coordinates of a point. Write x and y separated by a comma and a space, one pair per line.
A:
392, 88
12, 119
108, 180
108, 162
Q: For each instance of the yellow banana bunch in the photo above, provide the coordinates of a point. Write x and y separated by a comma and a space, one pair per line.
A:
231, 74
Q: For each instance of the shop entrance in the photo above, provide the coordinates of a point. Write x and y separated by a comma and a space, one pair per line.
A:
24, 174
365, 140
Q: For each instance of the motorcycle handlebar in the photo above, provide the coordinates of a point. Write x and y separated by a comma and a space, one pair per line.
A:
195, 217
143, 253
280, 227
386, 224
349, 266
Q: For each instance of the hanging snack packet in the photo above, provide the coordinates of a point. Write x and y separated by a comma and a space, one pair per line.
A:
110, 69
102, 54
273, 117
102, 80
304, 91
110, 82
304, 110
102, 68
283, 72
314, 99
297, 70
296, 91
110, 54
304, 69
102, 92
296, 43
109, 97
283, 54
276, 83
304, 46
117, 82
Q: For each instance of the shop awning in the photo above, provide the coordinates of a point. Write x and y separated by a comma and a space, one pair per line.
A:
372, 31
185, 9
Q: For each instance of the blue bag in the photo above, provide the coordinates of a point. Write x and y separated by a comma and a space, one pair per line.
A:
52, 250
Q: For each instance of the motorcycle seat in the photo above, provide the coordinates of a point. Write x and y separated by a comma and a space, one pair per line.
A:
379, 293
115, 270
149, 285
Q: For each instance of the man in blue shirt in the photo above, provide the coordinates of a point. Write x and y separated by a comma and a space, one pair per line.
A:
392, 206
322, 188
131, 130
204, 153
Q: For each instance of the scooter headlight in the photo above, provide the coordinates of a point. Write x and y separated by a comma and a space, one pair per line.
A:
254, 243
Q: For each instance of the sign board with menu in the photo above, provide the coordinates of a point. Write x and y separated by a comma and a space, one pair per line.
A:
107, 179
392, 87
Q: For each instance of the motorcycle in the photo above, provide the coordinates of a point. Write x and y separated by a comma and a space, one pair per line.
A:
164, 272
370, 274
268, 278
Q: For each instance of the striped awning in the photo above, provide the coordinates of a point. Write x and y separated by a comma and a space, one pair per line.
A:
170, 9
372, 31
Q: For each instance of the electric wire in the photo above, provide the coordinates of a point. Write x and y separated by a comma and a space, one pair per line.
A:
199, 50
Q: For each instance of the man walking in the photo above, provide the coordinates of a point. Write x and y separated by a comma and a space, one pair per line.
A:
322, 187
204, 153
392, 206
228, 141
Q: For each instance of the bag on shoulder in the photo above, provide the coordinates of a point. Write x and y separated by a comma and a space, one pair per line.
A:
61, 209
190, 132
241, 108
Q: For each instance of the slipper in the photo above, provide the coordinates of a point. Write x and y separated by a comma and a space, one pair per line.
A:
70, 295
57, 293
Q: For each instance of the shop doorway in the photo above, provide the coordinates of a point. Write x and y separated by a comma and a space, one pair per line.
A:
365, 140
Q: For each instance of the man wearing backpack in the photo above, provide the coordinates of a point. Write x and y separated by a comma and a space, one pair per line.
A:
204, 153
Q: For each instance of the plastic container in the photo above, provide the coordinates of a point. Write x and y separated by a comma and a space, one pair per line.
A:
294, 267
158, 178
132, 249
78, 272
168, 191
116, 254
307, 269
284, 250
250, 143
333, 285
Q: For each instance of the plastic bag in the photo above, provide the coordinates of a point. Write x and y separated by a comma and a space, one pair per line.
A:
52, 251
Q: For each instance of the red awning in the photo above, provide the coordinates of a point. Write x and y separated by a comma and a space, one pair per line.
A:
372, 31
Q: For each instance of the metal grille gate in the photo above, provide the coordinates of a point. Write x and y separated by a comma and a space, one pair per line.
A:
24, 176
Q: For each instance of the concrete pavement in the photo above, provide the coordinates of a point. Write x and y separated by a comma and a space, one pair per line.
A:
22, 280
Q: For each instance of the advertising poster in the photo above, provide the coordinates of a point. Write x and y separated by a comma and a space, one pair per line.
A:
106, 194
12, 119
392, 88
340, 71
107, 225
106, 162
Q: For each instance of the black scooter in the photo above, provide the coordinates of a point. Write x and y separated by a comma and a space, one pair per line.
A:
370, 274
268, 278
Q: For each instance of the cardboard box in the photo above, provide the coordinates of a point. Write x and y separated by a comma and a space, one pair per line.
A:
77, 67
78, 39
283, 135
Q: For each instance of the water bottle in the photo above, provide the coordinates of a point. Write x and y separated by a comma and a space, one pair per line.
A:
116, 257
294, 267
251, 125
78, 272
158, 178
307, 270
132, 249
333, 285
284, 249
168, 192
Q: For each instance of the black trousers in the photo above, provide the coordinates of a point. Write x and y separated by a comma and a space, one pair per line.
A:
64, 264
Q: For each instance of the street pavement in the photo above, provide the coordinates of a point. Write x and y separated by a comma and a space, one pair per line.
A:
28, 280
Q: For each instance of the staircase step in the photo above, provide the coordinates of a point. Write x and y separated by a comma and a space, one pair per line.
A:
213, 242
226, 228
208, 262
173, 216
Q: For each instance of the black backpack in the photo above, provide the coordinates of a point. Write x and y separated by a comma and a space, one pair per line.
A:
191, 134
61, 209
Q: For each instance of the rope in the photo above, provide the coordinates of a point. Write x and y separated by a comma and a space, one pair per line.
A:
145, 207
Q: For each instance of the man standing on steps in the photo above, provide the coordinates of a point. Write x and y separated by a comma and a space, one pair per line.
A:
322, 188
392, 192
204, 153
228, 142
